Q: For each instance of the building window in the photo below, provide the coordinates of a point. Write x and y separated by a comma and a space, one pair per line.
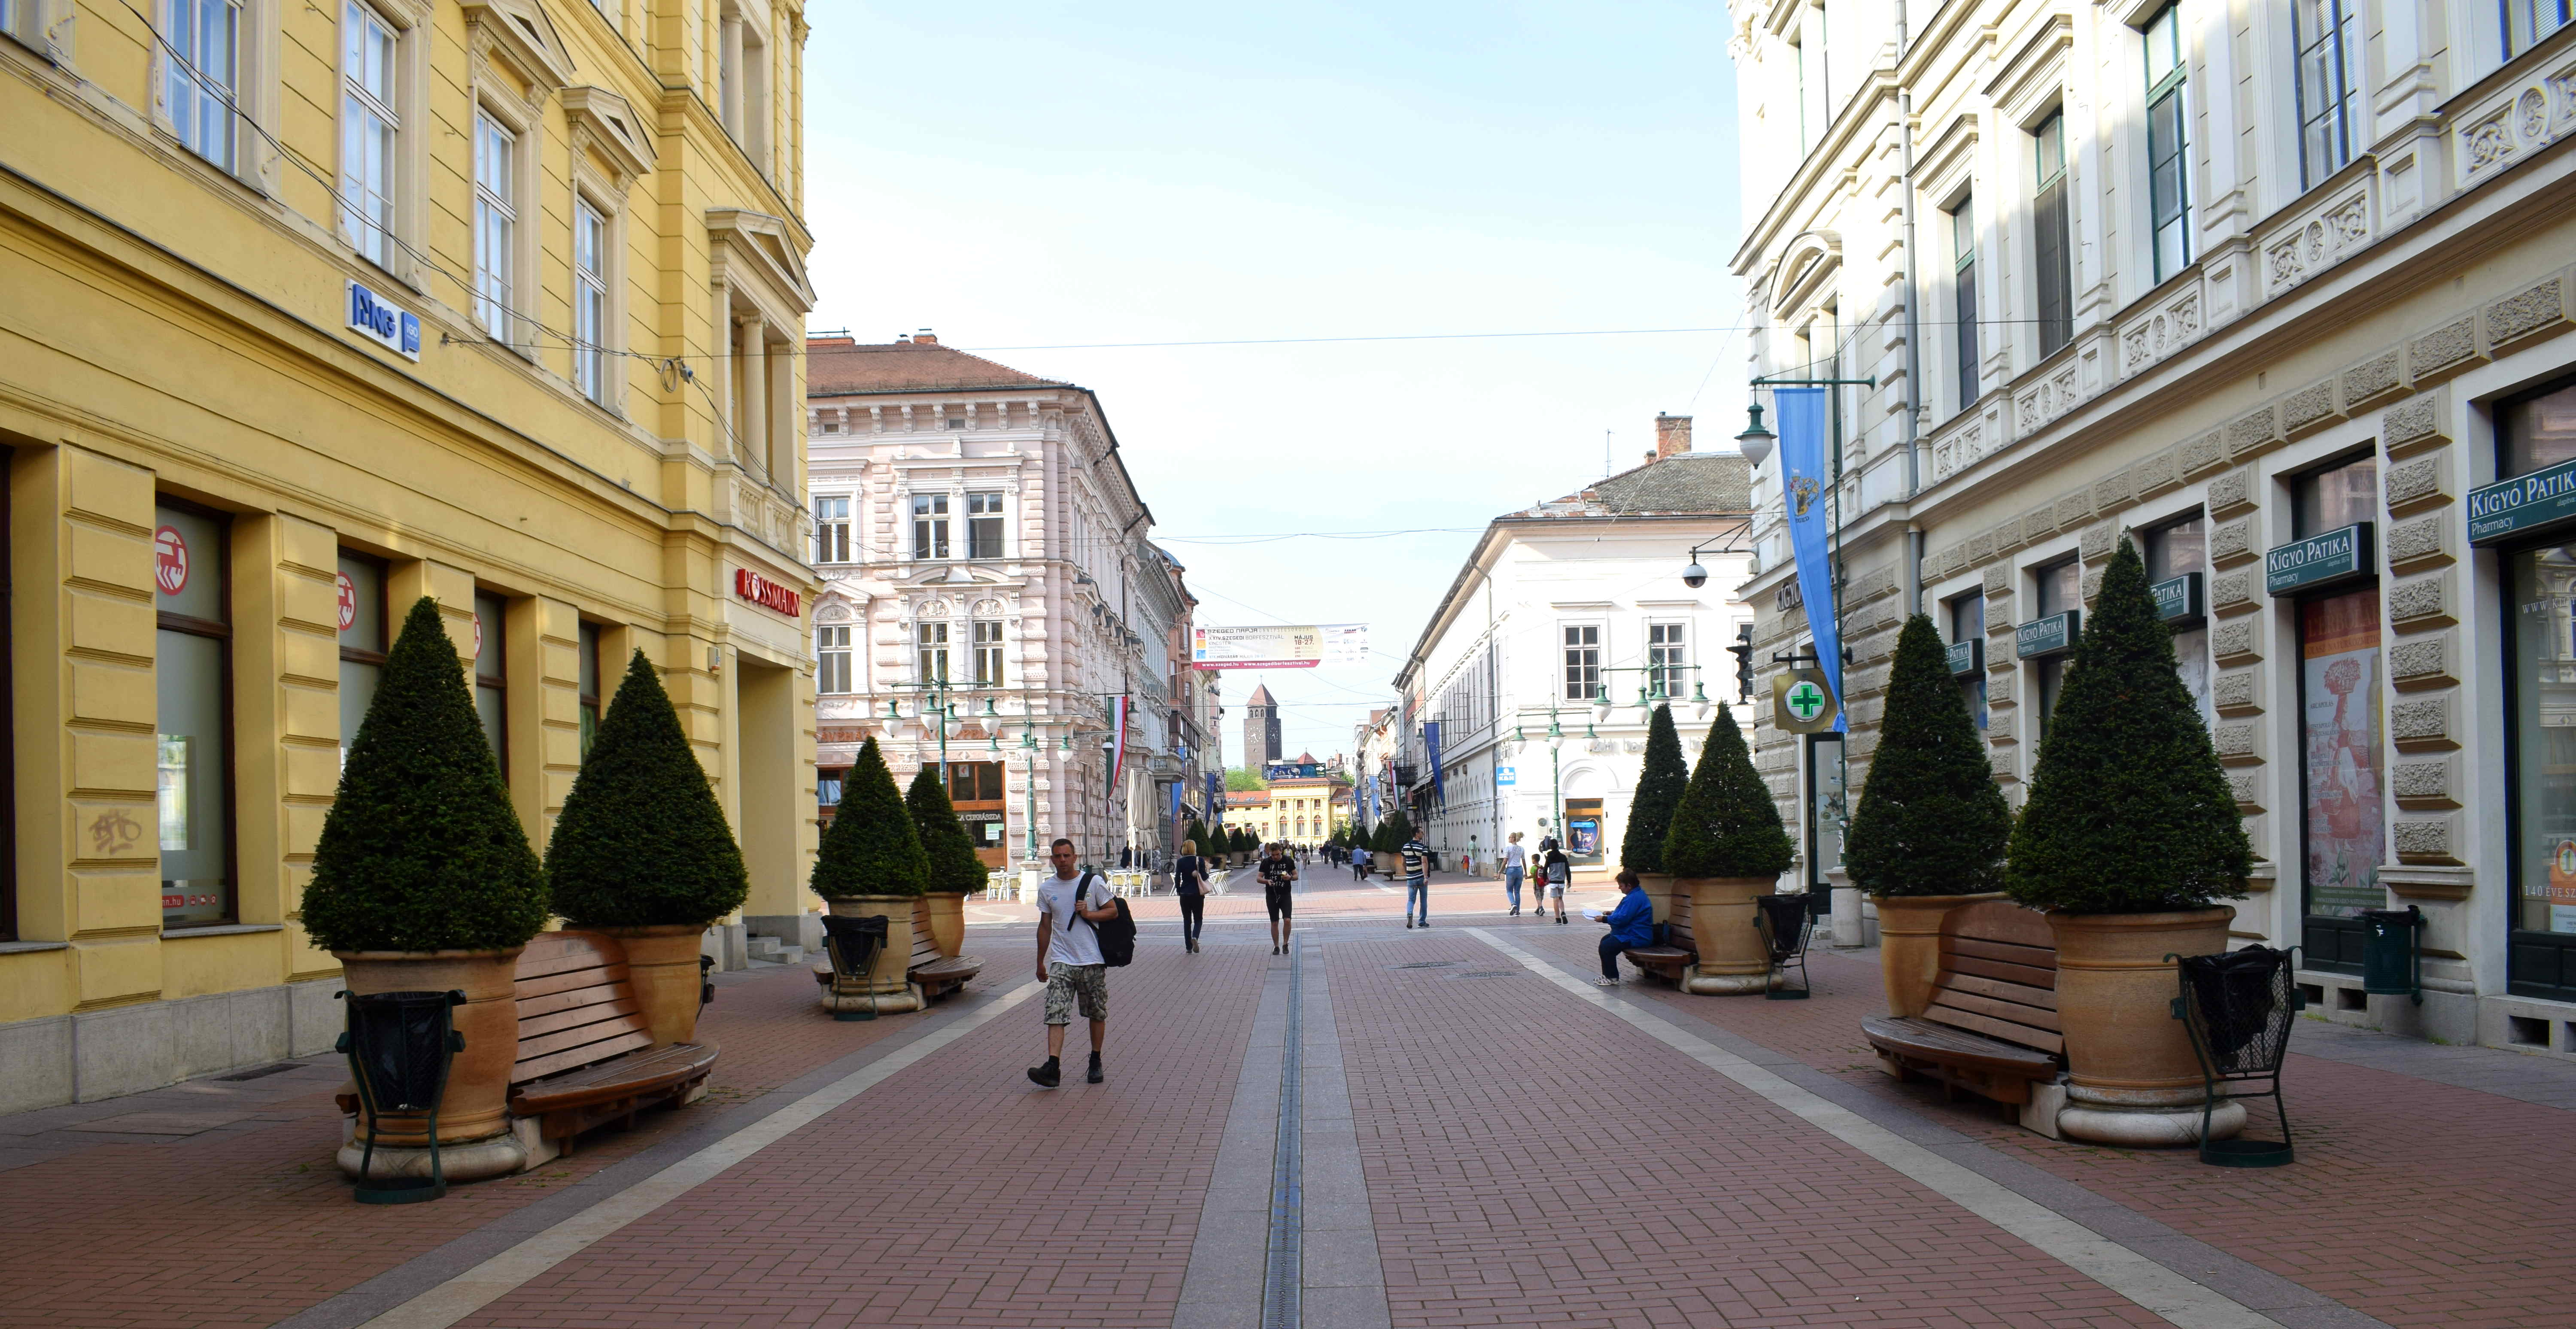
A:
988, 652
204, 64
974, 782
2341, 725
2178, 549
983, 526
2168, 185
832, 649
496, 220
363, 643
1963, 248
1667, 659
368, 126
931, 645
742, 95
1968, 624
832, 528
589, 301
2527, 21
2058, 588
589, 683
192, 676
1582, 661
2540, 624
2329, 38
827, 786
2049, 231
492, 677
930, 526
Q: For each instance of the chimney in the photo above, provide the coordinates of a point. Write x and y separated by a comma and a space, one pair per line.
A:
926, 337
1672, 434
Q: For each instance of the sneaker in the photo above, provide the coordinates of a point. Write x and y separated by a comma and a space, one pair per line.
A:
1605, 982
1408, 923
1093, 1076
1047, 1076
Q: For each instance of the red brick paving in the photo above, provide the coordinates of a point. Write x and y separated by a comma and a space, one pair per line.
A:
1533, 1160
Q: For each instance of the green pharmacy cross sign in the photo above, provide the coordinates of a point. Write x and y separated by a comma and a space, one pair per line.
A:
1806, 701
1801, 703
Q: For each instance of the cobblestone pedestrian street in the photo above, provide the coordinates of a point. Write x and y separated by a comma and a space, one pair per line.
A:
1473, 1135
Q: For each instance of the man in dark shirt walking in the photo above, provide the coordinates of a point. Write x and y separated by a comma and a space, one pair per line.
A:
1278, 873
1417, 882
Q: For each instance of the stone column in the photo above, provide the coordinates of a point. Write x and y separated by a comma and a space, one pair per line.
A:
751, 430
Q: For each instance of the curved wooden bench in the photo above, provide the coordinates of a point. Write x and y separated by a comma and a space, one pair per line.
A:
937, 974
1671, 958
1992, 1027
584, 1056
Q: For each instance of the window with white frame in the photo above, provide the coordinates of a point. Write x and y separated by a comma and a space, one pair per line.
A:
2051, 237
930, 641
496, 222
1667, 660
2328, 33
369, 128
930, 526
2527, 21
589, 300
832, 653
2168, 185
988, 652
983, 526
1963, 288
205, 72
1582, 661
832, 528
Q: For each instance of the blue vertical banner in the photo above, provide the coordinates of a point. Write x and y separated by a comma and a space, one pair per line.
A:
1216, 798
1806, 483
1179, 827
1431, 744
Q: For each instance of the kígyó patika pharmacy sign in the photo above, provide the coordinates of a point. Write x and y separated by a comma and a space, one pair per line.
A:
2508, 508
2319, 560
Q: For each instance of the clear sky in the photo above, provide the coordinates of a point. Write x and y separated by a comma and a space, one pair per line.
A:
1027, 175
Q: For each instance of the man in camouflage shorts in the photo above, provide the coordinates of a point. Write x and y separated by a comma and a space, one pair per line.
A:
1069, 960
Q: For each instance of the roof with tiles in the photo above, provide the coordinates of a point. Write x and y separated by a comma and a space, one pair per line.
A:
846, 366
1686, 482
1261, 697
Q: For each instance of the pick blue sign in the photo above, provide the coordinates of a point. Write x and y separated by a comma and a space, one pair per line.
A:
383, 322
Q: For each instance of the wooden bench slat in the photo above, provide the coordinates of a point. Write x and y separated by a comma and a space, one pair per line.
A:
953, 964
554, 1002
592, 1032
557, 957
2020, 974
2024, 994
541, 1067
2036, 957
2004, 1030
574, 980
627, 1077
2001, 921
2029, 1017
1933, 1041
613, 1004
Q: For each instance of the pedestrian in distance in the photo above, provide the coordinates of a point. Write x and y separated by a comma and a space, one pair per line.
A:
1189, 882
1069, 960
1632, 923
1559, 871
1515, 864
1360, 863
1278, 873
1417, 881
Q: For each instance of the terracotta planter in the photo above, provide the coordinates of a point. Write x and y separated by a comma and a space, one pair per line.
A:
1732, 957
886, 990
1658, 887
2132, 1077
662, 967
1909, 945
478, 1080
944, 916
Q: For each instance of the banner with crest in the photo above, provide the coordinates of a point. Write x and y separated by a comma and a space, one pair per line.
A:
1806, 477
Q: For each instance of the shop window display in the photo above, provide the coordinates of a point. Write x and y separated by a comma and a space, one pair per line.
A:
192, 743
2540, 587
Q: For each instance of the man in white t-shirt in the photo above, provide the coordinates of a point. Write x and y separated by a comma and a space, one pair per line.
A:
1069, 962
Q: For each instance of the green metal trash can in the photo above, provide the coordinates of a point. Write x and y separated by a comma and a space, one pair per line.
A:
2392, 965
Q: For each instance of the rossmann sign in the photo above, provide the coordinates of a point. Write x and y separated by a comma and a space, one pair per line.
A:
767, 594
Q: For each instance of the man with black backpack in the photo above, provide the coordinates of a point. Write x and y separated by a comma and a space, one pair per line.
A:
1075, 936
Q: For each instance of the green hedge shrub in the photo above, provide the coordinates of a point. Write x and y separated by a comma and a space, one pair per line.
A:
872, 847
1660, 782
1931, 820
954, 868
642, 839
1726, 825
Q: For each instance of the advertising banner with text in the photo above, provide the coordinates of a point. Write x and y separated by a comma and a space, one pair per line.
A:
1302, 646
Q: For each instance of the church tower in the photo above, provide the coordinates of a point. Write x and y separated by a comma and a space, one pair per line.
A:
1260, 729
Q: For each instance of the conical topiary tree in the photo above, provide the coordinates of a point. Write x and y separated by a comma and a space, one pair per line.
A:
642, 839
954, 868
872, 847
1930, 820
421, 850
1197, 834
1726, 824
1660, 782
2129, 812
1243, 842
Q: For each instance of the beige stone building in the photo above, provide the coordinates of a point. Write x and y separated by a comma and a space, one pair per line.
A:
2276, 292
307, 311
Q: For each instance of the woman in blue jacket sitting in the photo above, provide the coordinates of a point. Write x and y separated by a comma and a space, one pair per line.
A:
1632, 923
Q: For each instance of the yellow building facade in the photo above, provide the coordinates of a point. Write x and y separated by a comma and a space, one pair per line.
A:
307, 311
1301, 811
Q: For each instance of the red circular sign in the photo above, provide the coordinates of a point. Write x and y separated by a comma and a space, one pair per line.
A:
348, 600
170, 560
478, 636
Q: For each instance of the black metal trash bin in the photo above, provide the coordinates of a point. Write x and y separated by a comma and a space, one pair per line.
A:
1785, 924
2392, 965
399, 1046
2239, 1007
853, 944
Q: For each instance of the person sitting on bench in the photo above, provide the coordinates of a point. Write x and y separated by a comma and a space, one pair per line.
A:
1632, 923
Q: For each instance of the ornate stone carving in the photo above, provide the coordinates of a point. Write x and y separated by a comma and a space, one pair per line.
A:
2039, 525
2238, 640
2422, 722
2423, 662
2237, 743
2246, 787
2415, 484
2485, 144
2416, 542
2153, 475
2070, 510
2421, 603
2232, 693
2232, 592
2252, 433
2308, 407
2427, 840
2444, 348
2532, 311
2415, 424
2232, 543
2097, 541
2535, 117
2372, 379
2231, 491
2201, 453
1981, 549
2424, 783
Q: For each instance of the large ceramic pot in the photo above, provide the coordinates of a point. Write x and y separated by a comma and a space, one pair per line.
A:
476, 1105
886, 989
943, 914
1732, 955
1909, 945
2132, 1076
1658, 887
662, 967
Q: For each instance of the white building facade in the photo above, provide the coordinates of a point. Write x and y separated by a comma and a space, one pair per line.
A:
1568, 623
987, 580
2272, 291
